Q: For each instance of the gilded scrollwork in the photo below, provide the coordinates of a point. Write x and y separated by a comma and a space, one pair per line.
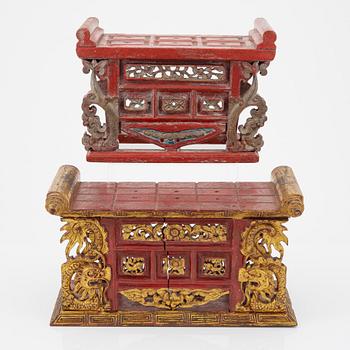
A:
173, 299
245, 137
142, 232
263, 277
174, 232
207, 73
99, 136
85, 275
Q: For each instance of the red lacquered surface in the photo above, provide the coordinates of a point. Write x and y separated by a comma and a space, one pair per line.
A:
257, 45
173, 91
182, 156
193, 253
175, 196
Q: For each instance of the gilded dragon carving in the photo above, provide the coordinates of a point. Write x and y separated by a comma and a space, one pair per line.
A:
247, 138
215, 267
134, 266
99, 136
85, 275
263, 277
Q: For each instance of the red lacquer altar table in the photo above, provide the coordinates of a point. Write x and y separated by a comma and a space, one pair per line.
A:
184, 253
172, 92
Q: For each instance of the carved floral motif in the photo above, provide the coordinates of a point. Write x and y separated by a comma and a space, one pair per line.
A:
207, 73
175, 232
174, 265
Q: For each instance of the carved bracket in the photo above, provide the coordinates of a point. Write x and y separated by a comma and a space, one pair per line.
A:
85, 275
99, 136
247, 139
263, 277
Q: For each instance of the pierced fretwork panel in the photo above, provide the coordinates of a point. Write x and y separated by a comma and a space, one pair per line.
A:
176, 72
174, 232
135, 103
212, 105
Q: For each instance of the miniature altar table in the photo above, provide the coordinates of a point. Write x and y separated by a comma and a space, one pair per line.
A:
182, 253
185, 254
172, 92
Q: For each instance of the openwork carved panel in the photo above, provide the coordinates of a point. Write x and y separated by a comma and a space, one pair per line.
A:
175, 232
133, 266
214, 267
263, 277
211, 104
173, 299
174, 265
181, 72
85, 275
135, 104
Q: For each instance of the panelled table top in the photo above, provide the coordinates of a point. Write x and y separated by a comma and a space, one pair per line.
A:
171, 196
257, 45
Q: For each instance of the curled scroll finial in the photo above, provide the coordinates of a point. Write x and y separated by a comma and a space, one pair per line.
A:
61, 189
291, 197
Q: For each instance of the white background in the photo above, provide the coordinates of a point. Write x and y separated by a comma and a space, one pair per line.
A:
307, 91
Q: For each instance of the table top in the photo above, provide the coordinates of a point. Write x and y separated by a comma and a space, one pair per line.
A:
257, 45
175, 196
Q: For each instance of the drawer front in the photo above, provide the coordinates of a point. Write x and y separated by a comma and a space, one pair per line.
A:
173, 105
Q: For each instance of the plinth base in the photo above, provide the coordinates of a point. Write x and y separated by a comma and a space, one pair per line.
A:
181, 156
172, 318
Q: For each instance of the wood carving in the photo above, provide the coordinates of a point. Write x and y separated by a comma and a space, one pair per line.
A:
173, 299
85, 275
263, 277
172, 92
99, 136
247, 139
174, 232
140, 261
292, 200
183, 253
61, 189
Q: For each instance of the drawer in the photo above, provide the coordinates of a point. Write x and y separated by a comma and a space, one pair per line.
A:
133, 264
213, 265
